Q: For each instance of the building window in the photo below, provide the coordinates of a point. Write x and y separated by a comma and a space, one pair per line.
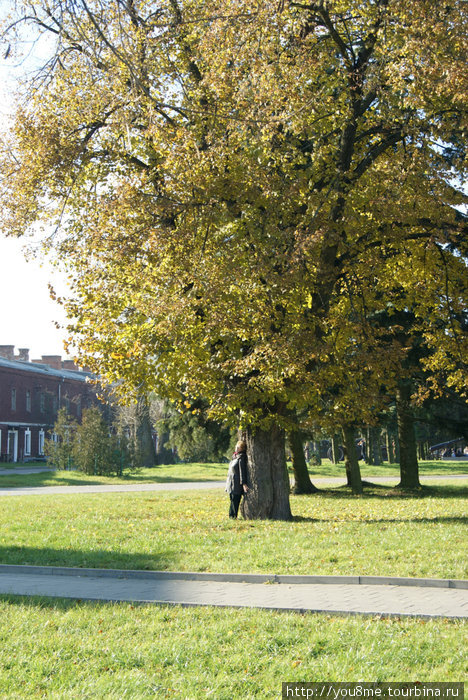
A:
41, 442
28, 400
78, 406
42, 402
27, 442
12, 446
13, 399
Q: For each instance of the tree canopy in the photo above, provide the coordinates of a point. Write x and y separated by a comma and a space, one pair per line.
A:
237, 186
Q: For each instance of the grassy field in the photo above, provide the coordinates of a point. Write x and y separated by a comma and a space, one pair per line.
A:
381, 533
208, 472
163, 474
70, 650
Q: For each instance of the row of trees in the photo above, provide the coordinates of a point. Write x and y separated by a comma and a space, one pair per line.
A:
125, 438
416, 426
256, 202
128, 441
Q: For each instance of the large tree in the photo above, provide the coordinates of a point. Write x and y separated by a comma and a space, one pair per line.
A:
219, 174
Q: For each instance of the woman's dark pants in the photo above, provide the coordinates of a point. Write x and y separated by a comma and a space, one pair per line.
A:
234, 508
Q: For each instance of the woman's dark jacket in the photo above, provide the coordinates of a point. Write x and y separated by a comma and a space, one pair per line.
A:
240, 474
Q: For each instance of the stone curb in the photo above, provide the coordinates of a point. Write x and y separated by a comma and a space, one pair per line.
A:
234, 578
381, 615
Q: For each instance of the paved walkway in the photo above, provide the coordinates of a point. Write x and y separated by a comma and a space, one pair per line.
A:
190, 485
380, 596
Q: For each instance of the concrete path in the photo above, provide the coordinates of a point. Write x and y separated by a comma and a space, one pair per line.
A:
380, 596
189, 485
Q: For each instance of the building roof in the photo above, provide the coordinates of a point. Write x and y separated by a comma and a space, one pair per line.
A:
45, 370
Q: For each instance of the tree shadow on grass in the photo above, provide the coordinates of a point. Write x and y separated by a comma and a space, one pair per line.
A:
381, 491
89, 559
442, 519
63, 604
374, 492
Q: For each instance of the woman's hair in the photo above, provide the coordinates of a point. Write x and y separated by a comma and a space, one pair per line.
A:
241, 446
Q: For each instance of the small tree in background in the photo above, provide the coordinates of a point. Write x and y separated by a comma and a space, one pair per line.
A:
59, 451
94, 450
92, 447
134, 430
127, 451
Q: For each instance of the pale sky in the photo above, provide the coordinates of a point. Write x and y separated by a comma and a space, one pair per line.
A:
28, 313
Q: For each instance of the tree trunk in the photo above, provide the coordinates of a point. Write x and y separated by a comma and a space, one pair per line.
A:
302, 482
316, 446
268, 497
390, 450
144, 433
376, 451
163, 454
369, 446
353, 472
335, 447
409, 469
397, 447
422, 449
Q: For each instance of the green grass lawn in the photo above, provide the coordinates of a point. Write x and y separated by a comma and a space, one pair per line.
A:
381, 533
208, 472
70, 650
162, 474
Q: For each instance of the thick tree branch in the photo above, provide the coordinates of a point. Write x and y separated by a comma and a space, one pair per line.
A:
392, 139
362, 244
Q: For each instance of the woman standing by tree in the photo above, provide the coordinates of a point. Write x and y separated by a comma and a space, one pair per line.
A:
237, 479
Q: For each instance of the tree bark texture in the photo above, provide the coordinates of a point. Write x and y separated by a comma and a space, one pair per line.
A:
268, 496
302, 482
409, 468
353, 472
144, 433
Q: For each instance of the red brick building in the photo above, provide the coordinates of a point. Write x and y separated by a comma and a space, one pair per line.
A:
31, 393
